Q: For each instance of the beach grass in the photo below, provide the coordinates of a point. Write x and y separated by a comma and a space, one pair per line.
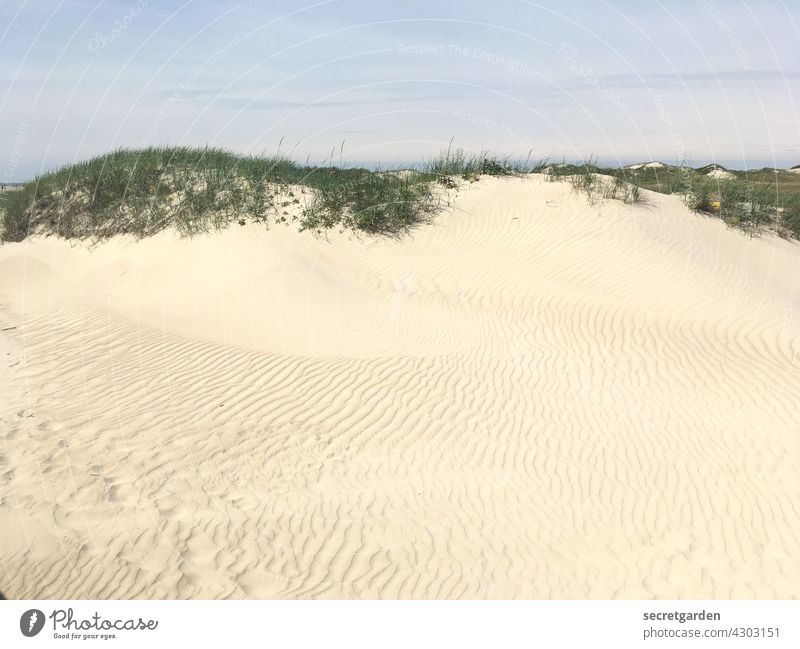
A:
143, 191
753, 201
457, 162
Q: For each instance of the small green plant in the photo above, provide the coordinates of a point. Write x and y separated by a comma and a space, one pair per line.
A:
789, 217
596, 183
584, 181
619, 188
701, 198
746, 206
456, 162
372, 203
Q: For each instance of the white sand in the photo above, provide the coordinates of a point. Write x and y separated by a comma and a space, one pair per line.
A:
720, 174
530, 398
647, 165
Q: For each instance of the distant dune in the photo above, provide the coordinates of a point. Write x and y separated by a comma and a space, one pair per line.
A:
648, 165
720, 174
531, 397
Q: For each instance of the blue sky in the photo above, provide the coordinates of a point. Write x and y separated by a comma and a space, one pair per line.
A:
623, 80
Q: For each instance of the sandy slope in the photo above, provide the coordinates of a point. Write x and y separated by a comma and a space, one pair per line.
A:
530, 398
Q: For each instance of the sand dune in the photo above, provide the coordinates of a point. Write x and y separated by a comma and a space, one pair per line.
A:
531, 397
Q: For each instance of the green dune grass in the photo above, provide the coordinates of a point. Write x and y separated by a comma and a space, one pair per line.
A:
141, 192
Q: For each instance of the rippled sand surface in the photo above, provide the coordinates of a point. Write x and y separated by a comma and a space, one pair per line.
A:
529, 398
